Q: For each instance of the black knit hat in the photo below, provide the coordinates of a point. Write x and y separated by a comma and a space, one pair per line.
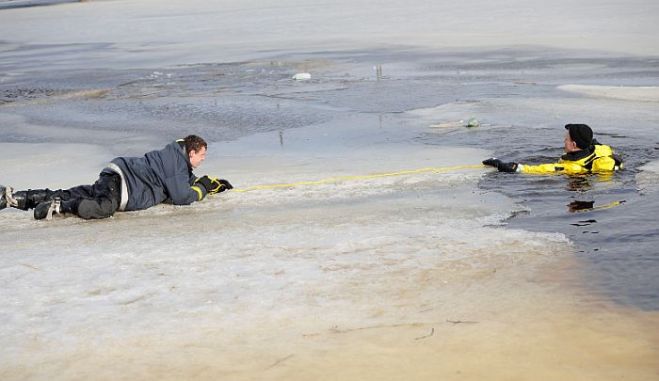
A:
581, 134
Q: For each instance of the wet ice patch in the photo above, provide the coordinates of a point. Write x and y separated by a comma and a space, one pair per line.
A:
648, 177
230, 261
454, 115
627, 93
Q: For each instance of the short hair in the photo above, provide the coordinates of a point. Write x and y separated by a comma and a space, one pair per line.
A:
194, 143
581, 134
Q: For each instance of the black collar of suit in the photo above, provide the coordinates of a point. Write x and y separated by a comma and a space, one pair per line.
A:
578, 155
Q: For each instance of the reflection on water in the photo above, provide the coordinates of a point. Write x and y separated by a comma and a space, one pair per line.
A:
576, 206
583, 184
585, 206
579, 184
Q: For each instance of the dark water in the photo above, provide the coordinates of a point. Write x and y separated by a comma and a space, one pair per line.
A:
612, 223
621, 242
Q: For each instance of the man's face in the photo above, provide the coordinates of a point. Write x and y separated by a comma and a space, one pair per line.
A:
196, 157
570, 145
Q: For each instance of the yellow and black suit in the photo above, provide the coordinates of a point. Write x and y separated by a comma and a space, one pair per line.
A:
599, 158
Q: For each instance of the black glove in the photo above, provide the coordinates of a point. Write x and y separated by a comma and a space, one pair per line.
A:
213, 185
500, 165
205, 182
227, 185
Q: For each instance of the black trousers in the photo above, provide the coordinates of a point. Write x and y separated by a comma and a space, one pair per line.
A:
99, 200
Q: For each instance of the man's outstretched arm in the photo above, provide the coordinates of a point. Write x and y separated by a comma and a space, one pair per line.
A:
540, 169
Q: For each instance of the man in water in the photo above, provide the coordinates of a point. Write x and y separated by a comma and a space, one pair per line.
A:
583, 155
127, 183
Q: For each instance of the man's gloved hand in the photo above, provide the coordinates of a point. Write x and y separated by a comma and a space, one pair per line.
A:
500, 165
205, 182
213, 185
225, 184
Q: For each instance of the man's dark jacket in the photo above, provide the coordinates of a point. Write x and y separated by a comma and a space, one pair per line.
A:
158, 176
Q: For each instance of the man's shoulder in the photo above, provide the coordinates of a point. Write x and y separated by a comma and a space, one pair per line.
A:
172, 149
603, 150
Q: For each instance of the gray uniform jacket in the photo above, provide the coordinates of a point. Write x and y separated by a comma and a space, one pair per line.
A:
158, 176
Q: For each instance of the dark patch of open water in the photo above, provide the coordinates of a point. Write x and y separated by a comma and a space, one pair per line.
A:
613, 225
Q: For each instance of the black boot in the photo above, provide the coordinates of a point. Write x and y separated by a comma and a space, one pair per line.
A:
7, 197
46, 209
30, 198
3, 199
49, 208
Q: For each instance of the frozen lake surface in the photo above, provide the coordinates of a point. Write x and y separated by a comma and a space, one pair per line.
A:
462, 273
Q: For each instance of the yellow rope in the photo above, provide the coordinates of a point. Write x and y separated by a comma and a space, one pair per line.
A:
338, 179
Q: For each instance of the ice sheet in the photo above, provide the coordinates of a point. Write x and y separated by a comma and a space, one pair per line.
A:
149, 33
648, 178
638, 93
403, 277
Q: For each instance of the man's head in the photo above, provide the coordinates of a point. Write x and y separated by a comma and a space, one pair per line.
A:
577, 137
196, 149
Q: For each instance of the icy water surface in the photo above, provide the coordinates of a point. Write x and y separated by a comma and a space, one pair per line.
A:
617, 241
369, 275
513, 93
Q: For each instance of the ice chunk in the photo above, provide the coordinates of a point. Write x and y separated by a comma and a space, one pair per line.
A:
302, 76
